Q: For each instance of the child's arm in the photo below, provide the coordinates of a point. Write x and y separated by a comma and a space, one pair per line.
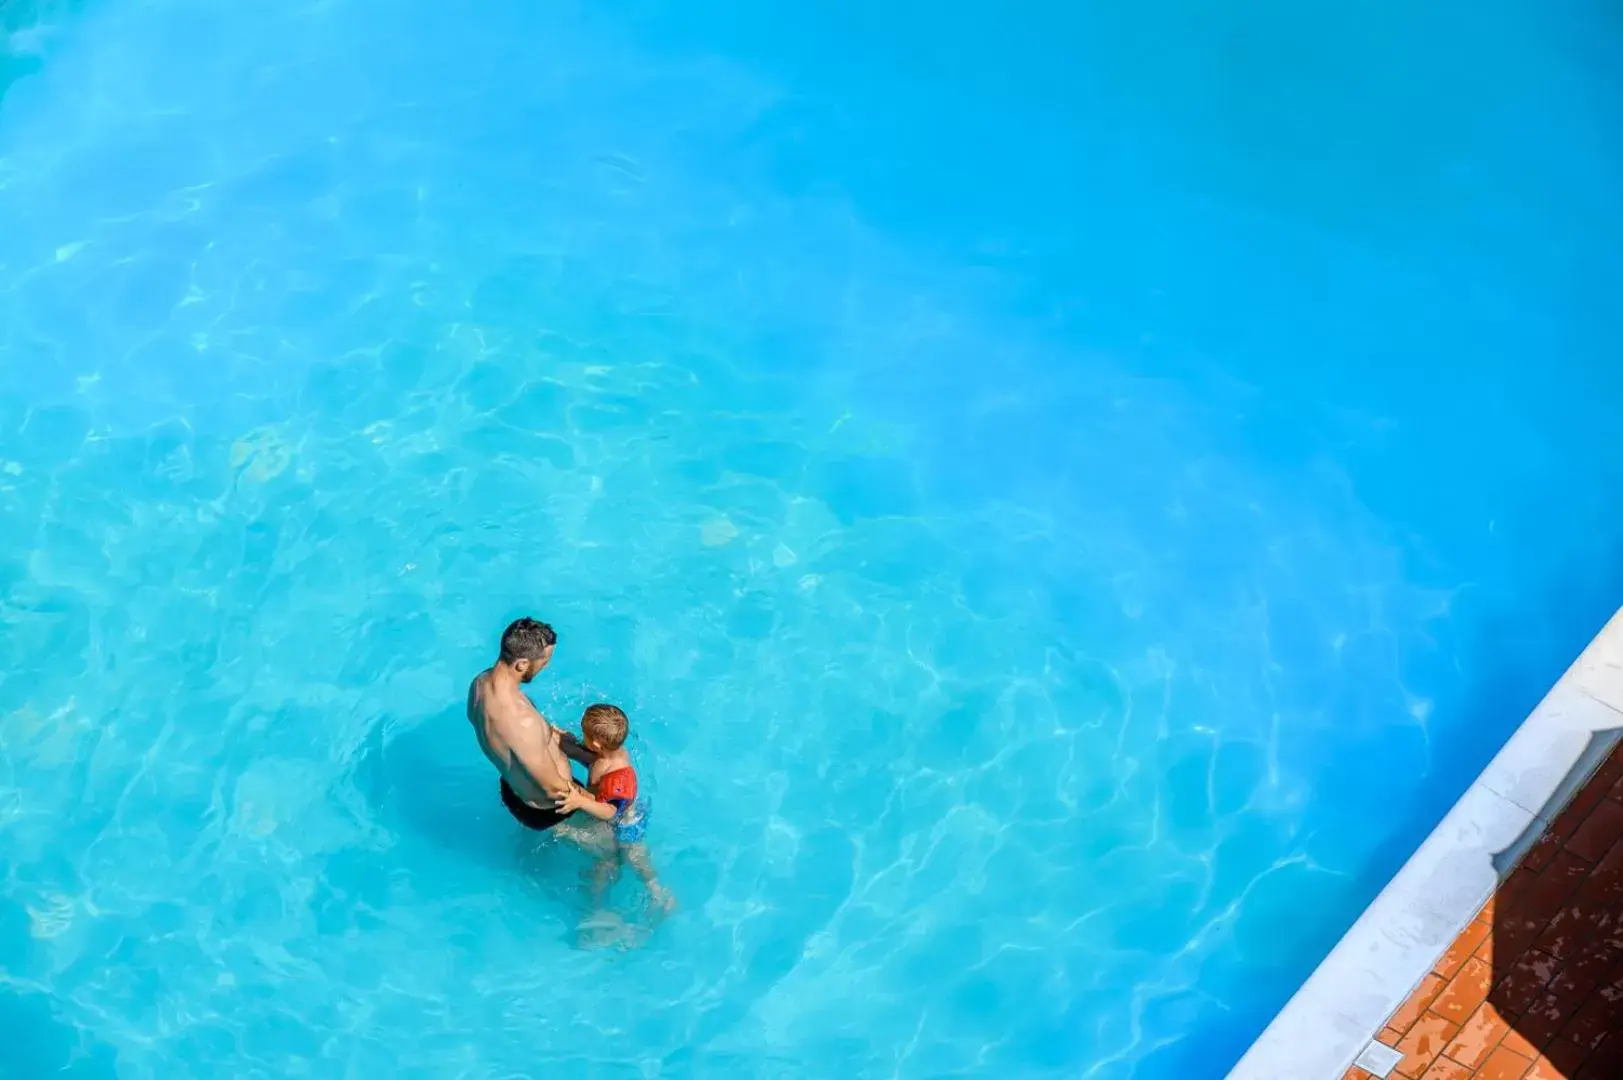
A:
580, 799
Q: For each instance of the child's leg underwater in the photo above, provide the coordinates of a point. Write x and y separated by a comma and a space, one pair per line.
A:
637, 855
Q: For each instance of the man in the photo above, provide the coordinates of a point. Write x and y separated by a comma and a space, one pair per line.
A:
531, 755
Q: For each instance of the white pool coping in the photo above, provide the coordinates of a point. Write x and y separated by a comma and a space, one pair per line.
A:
1393, 945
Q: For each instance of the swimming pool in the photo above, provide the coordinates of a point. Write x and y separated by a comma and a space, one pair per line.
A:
1066, 501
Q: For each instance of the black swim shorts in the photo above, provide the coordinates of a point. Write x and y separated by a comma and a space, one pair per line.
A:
529, 816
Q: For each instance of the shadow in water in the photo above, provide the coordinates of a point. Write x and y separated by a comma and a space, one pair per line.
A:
24, 24
426, 782
35, 1041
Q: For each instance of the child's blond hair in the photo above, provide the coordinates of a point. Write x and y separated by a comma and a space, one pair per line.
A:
605, 725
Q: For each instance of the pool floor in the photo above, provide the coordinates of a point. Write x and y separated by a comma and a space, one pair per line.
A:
1066, 502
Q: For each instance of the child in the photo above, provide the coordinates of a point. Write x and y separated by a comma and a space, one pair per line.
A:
613, 799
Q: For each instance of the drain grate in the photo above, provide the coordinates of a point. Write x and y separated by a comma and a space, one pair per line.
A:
1378, 1059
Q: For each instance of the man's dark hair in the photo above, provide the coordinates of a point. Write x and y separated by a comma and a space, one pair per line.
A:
527, 639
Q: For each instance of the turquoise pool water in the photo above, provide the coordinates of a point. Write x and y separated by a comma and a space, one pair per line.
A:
1067, 495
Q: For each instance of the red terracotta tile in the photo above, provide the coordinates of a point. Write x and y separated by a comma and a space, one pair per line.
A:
1545, 1018
1482, 1033
1524, 982
1479, 1036
1423, 1044
1444, 1069
1599, 831
1605, 884
1594, 1020
1608, 773
1524, 914
1505, 1065
1559, 880
1355, 1073
1508, 898
1577, 811
1567, 1055
1540, 968
1604, 890
1418, 1002
1605, 1063
1586, 972
1460, 998
1460, 951
1545, 1069
1575, 928
1539, 855
1390, 1036
1612, 989
1567, 1058
1518, 1043
1513, 937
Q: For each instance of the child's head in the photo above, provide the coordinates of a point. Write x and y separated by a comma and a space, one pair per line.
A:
603, 728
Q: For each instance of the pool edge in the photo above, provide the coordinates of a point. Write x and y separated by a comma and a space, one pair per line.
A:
1392, 946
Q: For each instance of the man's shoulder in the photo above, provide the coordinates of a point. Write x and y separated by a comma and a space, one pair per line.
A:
512, 710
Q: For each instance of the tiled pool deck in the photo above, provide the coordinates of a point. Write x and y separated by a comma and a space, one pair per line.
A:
1533, 988
1496, 953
